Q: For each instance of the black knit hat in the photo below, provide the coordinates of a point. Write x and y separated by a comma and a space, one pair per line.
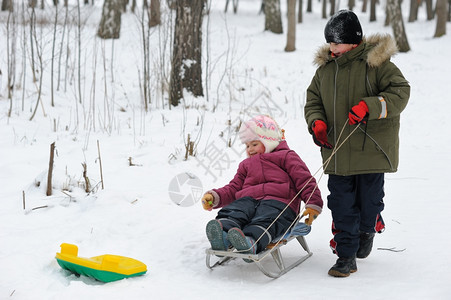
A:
343, 28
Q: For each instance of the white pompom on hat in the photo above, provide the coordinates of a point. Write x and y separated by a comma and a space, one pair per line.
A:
261, 128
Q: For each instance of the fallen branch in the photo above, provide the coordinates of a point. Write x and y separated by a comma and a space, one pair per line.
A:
38, 207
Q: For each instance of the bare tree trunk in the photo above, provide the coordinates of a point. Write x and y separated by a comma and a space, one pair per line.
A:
324, 9
39, 55
32, 29
399, 32
66, 9
413, 14
7, 5
364, 5
429, 10
300, 12
145, 30
373, 4
154, 13
52, 96
80, 96
192, 80
186, 63
387, 16
235, 6
332, 7
273, 16
291, 30
11, 36
309, 5
24, 60
351, 4
110, 23
441, 11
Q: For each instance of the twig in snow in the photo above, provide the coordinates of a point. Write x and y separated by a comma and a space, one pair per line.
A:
100, 162
131, 164
44, 206
49, 177
393, 249
85, 176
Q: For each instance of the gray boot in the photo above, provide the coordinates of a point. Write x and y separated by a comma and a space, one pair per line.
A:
216, 236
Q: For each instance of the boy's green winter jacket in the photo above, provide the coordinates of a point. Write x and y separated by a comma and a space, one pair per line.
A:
364, 73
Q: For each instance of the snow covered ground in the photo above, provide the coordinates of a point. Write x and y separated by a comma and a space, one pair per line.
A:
135, 215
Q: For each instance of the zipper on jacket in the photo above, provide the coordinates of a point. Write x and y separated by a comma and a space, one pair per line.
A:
335, 114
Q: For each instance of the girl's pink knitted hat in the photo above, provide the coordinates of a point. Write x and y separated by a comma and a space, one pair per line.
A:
261, 128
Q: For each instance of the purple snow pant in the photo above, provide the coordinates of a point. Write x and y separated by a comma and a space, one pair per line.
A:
254, 216
356, 202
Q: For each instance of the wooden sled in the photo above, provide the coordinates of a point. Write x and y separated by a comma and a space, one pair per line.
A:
298, 233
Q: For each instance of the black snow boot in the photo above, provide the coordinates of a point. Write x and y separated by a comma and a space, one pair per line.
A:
343, 267
365, 244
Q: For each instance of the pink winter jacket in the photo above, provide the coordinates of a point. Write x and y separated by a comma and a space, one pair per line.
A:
278, 175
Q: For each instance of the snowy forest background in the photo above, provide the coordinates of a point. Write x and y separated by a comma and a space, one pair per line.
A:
104, 115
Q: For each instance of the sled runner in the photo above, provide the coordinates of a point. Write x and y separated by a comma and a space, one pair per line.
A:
104, 268
298, 232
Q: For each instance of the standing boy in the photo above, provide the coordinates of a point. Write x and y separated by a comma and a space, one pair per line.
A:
355, 84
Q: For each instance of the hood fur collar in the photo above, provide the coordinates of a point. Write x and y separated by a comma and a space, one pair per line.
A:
380, 48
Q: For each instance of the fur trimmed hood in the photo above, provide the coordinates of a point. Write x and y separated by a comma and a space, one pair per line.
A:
378, 49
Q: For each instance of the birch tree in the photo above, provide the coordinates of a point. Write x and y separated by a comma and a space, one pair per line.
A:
397, 23
110, 23
273, 17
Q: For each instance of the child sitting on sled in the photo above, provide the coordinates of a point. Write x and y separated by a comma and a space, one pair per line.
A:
263, 191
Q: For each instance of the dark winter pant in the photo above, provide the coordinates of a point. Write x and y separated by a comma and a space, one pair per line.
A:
254, 216
356, 203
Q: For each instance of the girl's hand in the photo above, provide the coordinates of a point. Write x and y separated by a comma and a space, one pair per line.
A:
312, 215
207, 202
